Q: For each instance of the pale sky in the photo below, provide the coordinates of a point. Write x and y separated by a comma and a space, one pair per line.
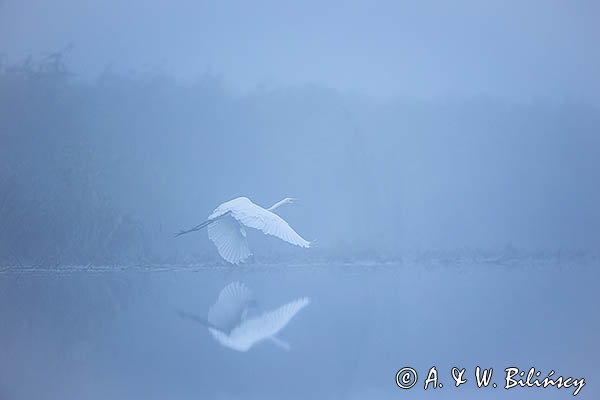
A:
520, 50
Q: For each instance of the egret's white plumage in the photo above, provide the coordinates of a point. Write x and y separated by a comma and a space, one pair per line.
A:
229, 236
231, 306
255, 329
226, 227
229, 325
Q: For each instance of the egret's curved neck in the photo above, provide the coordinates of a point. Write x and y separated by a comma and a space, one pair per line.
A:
279, 203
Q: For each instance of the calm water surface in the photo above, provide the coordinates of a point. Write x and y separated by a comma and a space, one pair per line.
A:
100, 334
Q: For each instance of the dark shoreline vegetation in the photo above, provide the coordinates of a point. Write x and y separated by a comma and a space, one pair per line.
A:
508, 257
104, 172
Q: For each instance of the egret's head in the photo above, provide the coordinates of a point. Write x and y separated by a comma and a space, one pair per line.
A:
291, 200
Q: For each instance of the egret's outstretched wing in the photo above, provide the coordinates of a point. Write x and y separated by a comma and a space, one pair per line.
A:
231, 306
229, 236
256, 217
253, 330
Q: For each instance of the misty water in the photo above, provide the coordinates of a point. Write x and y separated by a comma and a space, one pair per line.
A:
99, 333
445, 158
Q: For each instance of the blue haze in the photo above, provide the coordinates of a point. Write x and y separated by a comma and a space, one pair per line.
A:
447, 158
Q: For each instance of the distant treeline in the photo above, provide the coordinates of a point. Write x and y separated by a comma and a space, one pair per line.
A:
105, 172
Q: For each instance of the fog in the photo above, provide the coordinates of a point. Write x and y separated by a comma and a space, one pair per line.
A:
123, 163
522, 51
446, 158
401, 127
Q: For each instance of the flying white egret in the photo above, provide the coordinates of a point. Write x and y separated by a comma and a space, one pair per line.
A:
226, 227
229, 324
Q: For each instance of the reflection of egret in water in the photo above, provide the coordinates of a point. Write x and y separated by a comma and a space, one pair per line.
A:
230, 325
